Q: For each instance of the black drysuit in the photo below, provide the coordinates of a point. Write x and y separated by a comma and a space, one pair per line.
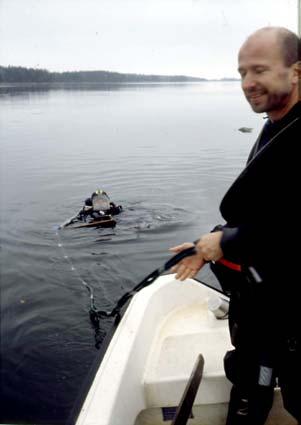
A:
262, 230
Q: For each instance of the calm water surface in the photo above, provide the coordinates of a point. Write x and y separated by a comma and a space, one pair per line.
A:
167, 153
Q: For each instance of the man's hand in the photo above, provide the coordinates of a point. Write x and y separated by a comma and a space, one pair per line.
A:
188, 267
208, 249
210, 246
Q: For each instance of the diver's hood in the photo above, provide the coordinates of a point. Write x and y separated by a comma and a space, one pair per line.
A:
100, 201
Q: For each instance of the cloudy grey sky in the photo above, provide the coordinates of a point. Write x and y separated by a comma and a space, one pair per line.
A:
192, 37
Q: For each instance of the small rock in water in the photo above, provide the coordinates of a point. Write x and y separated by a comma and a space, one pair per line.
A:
245, 129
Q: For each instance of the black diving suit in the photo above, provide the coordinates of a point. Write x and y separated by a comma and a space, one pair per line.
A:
262, 214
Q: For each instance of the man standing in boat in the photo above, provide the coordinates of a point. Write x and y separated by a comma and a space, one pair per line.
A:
260, 234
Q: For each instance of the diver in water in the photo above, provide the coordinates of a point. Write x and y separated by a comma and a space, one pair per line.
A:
98, 206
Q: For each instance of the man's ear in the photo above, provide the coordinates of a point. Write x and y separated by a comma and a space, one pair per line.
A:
299, 78
297, 74
298, 69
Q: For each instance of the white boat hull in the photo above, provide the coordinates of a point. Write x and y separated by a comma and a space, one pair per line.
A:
150, 358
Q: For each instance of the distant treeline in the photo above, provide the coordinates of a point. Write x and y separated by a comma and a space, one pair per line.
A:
18, 74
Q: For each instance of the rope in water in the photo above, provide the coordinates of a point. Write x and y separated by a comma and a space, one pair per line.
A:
94, 312
73, 269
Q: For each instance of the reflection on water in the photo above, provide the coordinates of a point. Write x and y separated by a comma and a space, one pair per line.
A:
166, 152
21, 89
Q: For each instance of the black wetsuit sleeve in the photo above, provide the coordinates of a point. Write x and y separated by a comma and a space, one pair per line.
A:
232, 242
243, 243
233, 239
237, 243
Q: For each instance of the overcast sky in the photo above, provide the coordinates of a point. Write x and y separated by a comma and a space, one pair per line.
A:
191, 37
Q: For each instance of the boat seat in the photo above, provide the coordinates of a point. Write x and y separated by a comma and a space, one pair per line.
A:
172, 362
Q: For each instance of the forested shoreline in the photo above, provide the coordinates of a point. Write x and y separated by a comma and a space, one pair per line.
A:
18, 74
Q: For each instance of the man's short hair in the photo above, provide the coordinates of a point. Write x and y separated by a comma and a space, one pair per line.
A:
289, 43
291, 46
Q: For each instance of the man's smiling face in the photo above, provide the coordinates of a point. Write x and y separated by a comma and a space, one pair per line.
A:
266, 80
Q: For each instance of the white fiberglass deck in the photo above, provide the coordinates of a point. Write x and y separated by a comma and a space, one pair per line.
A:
152, 353
182, 335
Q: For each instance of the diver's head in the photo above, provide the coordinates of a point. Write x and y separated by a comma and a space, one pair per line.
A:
100, 200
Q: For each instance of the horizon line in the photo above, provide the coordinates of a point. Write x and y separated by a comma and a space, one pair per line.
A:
120, 73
